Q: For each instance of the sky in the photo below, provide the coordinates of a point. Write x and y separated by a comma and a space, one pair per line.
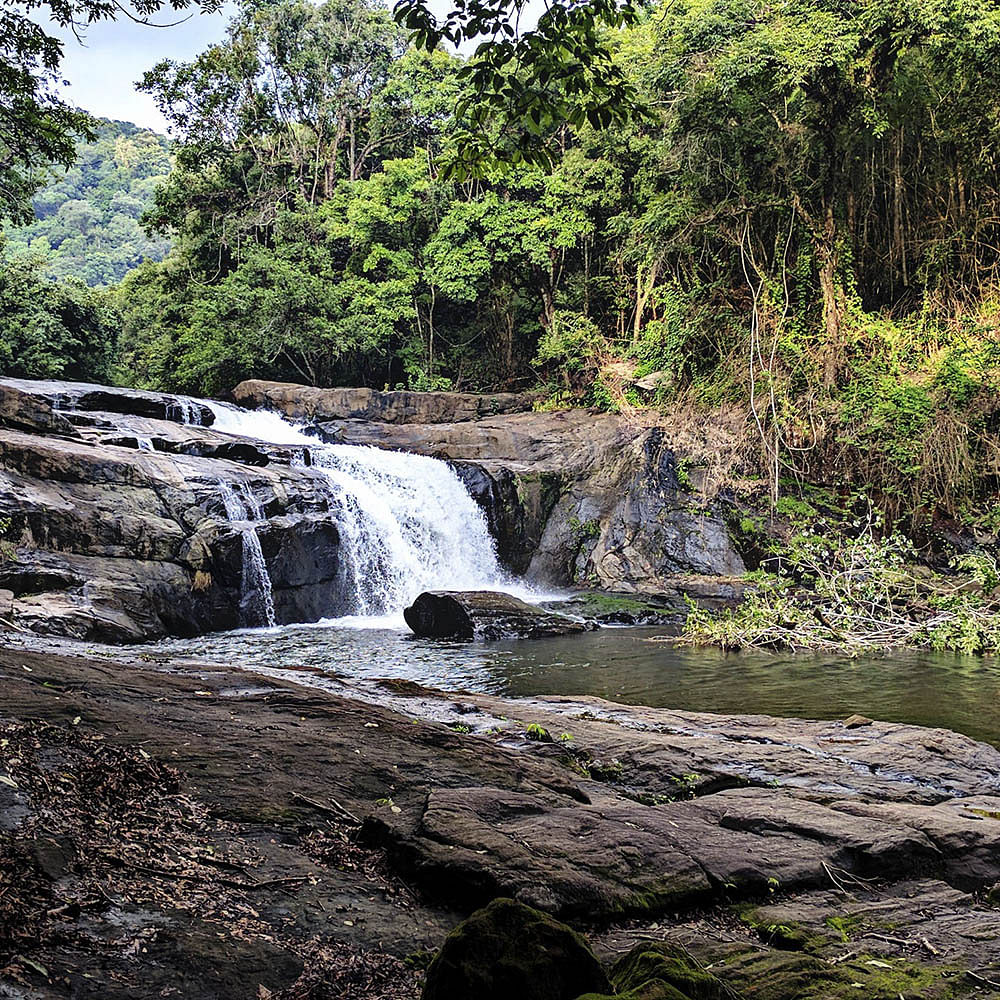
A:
103, 71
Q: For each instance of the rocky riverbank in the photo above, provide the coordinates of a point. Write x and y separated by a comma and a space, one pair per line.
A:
194, 830
125, 515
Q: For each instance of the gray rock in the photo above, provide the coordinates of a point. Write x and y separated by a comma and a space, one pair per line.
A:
399, 407
483, 614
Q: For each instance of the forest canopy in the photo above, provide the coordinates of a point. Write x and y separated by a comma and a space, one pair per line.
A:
87, 217
797, 217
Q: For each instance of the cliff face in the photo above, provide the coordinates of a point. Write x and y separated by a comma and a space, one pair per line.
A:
573, 497
118, 520
115, 524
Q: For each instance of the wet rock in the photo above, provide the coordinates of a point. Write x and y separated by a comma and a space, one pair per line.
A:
119, 544
82, 396
483, 614
577, 497
509, 950
824, 850
144, 404
857, 721
53, 855
27, 411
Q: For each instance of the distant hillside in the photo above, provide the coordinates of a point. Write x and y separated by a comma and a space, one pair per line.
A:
88, 216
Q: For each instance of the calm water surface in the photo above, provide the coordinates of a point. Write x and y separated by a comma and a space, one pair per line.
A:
629, 665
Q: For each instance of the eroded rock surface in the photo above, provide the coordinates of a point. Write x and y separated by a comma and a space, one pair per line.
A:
483, 614
510, 950
106, 539
573, 497
796, 886
306, 403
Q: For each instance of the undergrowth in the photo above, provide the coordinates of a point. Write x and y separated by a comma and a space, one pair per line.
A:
858, 593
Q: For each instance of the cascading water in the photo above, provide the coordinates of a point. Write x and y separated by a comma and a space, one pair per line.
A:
184, 412
409, 525
406, 521
256, 598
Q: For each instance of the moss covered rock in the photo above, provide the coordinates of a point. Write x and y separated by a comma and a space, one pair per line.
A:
660, 971
508, 950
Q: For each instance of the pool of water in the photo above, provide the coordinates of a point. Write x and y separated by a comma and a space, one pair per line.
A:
633, 665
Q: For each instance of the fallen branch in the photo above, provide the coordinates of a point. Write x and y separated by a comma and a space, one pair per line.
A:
334, 809
982, 980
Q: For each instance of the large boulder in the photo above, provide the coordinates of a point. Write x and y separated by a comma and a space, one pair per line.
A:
27, 411
84, 397
576, 498
107, 539
483, 614
509, 951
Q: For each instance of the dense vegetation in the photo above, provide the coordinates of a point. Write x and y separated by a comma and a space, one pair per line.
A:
87, 217
801, 227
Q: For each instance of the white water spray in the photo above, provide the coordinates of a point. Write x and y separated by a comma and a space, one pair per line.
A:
256, 598
407, 522
184, 411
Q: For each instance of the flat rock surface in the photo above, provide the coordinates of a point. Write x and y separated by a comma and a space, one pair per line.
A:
626, 821
396, 407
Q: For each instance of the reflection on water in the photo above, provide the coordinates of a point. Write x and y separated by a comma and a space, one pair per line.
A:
954, 692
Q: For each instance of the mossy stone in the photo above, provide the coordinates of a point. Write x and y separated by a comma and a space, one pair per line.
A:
508, 950
661, 971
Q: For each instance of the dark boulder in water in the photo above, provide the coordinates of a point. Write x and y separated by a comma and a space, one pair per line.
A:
509, 950
484, 614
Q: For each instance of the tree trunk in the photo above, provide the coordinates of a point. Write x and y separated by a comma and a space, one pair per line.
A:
832, 308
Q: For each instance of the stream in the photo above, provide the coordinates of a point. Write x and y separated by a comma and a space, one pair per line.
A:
408, 525
631, 665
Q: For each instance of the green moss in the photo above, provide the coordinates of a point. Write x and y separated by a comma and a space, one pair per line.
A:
787, 937
844, 926
583, 530
661, 971
538, 733
986, 813
795, 509
782, 975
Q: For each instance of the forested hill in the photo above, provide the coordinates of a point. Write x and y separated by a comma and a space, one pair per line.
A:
88, 216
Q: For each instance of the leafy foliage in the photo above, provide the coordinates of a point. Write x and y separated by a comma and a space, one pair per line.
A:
37, 127
802, 227
49, 330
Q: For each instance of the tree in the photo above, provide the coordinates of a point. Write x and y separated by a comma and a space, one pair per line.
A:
49, 330
88, 217
522, 83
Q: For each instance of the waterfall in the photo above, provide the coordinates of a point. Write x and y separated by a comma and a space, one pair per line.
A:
256, 598
144, 443
407, 522
183, 411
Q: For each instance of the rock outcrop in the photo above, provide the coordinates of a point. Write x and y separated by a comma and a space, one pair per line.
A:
306, 403
574, 497
508, 950
111, 499
483, 614
103, 539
